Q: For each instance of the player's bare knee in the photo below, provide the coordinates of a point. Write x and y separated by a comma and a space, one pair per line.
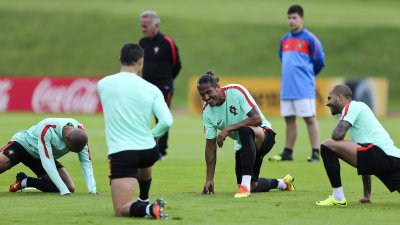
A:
2, 169
330, 144
118, 211
5, 163
290, 121
123, 209
310, 120
327, 143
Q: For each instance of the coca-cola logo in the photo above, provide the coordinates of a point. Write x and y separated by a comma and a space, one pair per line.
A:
78, 97
5, 86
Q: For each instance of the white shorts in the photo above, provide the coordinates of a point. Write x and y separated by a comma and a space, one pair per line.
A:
298, 107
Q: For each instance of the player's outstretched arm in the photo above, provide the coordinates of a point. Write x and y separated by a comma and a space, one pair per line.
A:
211, 159
87, 170
367, 190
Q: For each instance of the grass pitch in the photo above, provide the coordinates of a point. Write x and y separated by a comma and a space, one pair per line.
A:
180, 178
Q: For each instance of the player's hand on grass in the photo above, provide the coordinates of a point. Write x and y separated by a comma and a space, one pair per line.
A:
208, 188
221, 138
365, 200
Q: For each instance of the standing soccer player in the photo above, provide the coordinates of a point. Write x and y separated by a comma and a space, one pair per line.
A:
233, 110
129, 103
161, 62
371, 150
302, 59
39, 147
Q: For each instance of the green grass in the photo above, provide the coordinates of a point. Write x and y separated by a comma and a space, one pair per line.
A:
83, 38
180, 178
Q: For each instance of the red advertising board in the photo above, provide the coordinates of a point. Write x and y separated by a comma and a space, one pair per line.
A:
43, 94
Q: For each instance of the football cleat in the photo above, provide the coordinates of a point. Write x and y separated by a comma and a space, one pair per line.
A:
243, 192
16, 186
157, 210
313, 158
278, 158
288, 180
330, 201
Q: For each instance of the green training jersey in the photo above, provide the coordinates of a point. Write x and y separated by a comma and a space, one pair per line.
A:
366, 129
44, 141
129, 104
238, 102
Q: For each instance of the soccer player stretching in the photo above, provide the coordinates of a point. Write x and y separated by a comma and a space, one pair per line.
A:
233, 110
371, 150
40, 147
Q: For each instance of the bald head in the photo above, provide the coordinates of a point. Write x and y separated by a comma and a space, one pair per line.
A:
338, 97
76, 140
342, 89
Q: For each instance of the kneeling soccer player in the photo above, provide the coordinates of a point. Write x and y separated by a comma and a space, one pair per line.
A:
129, 103
371, 150
39, 147
233, 110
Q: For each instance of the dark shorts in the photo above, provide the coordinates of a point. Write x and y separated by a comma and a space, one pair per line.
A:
372, 160
17, 154
269, 142
126, 163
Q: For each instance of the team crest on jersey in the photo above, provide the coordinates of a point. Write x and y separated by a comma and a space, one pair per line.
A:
232, 109
10, 152
299, 45
156, 50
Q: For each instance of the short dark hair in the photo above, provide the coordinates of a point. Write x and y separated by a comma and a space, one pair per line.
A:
342, 89
209, 78
296, 9
78, 139
130, 54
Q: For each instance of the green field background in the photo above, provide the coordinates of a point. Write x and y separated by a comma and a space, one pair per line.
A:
235, 38
180, 178
239, 38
